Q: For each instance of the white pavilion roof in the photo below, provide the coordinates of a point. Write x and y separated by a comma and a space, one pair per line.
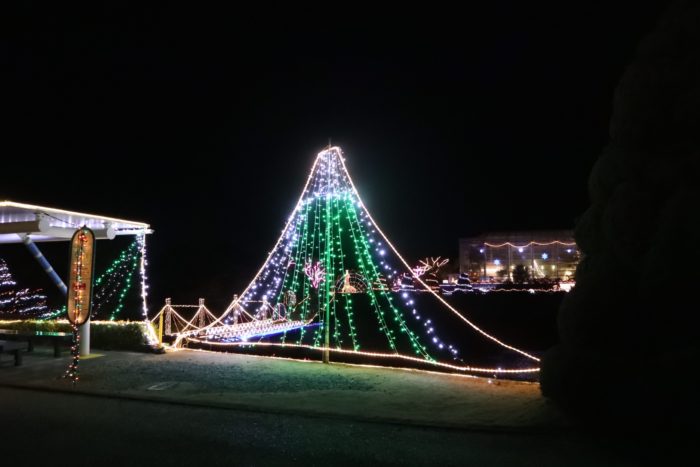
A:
44, 224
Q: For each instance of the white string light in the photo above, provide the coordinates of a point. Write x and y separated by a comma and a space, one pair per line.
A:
427, 288
555, 242
150, 333
330, 184
370, 354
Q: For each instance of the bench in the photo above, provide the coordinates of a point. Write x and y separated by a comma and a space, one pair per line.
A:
56, 338
14, 348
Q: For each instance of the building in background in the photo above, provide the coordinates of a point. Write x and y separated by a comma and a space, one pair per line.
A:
520, 257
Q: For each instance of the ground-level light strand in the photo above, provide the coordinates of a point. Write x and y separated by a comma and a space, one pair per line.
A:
372, 354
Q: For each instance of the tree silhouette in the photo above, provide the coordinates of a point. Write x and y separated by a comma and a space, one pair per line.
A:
521, 274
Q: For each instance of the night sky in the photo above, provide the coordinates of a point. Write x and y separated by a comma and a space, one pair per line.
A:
205, 123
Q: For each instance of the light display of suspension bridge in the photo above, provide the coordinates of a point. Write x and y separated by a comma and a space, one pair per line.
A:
325, 287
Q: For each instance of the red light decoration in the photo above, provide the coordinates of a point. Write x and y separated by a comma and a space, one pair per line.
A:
81, 276
82, 266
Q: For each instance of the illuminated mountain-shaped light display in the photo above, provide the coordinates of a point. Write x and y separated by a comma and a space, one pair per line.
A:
328, 276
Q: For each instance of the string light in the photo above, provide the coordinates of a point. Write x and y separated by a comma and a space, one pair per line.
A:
79, 291
24, 302
151, 334
72, 372
315, 272
114, 284
526, 245
60, 312
331, 223
374, 355
405, 263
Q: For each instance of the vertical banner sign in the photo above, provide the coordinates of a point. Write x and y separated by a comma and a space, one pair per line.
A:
82, 262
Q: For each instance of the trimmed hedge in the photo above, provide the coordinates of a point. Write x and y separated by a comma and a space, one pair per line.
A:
106, 335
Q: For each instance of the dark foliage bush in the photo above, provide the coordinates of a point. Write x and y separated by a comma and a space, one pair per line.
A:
106, 335
629, 331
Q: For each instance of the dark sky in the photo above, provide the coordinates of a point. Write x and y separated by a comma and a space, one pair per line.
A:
205, 122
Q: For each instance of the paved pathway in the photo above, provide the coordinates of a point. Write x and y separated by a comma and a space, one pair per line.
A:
60, 429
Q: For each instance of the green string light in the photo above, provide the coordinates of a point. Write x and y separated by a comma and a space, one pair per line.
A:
112, 286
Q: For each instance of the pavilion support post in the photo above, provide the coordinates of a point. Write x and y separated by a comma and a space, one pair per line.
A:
85, 338
44, 263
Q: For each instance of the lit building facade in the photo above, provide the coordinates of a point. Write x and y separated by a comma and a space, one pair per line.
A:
519, 256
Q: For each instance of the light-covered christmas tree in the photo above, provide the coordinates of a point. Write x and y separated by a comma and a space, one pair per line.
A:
18, 302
